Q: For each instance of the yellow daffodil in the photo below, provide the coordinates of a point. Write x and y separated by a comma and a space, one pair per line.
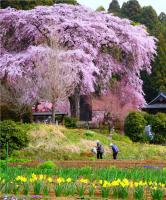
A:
136, 184
85, 181
150, 183
68, 180
60, 180
21, 178
41, 177
50, 180
106, 184
126, 182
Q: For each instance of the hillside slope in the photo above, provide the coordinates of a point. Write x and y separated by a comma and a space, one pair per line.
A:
48, 142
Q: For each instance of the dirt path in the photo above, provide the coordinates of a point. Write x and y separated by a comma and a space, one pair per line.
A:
102, 163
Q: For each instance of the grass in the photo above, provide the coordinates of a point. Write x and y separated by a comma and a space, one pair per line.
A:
49, 142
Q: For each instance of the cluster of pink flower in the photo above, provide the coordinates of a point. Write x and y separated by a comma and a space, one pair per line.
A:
92, 40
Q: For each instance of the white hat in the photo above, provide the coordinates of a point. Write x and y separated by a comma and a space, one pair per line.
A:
111, 145
98, 142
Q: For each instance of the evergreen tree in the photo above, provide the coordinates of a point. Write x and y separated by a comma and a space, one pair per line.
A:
149, 18
114, 7
24, 4
156, 82
131, 10
162, 17
73, 2
160, 65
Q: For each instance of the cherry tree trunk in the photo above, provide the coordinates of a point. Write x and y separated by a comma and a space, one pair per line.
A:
53, 111
75, 104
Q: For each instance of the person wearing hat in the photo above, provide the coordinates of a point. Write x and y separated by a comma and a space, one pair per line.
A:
115, 150
100, 150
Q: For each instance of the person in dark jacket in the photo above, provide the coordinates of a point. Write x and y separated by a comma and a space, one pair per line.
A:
115, 150
100, 150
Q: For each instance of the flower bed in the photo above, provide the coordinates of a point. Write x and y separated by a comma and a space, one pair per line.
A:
53, 186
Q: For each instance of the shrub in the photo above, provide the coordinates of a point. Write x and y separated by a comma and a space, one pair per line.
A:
159, 128
13, 134
70, 122
47, 165
89, 134
134, 126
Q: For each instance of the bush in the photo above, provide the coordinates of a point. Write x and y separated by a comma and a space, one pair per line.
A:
70, 122
159, 128
47, 165
13, 134
89, 134
134, 126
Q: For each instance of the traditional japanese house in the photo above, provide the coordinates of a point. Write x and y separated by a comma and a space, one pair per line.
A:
158, 104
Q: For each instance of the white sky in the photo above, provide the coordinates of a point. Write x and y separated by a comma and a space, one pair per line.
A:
158, 5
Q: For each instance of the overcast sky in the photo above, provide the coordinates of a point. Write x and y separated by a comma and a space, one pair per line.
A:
158, 5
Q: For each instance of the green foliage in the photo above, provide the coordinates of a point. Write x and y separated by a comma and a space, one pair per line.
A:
149, 117
47, 165
70, 122
89, 134
157, 194
135, 23
139, 193
25, 4
114, 7
134, 126
2, 165
100, 8
162, 17
73, 2
135, 123
148, 17
13, 134
131, 10
159, 128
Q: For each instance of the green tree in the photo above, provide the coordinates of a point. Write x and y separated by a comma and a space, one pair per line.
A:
162, 17
100, 8
156, 82
73, 2
159, 69
131, 10
24, 4
134, 126
149, 18
114, 7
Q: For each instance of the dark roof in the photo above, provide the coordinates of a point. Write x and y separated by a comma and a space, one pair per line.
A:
156, 106
162, 94
47, 113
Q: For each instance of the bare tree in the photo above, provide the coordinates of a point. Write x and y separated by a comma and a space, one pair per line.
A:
17, 95
57, 77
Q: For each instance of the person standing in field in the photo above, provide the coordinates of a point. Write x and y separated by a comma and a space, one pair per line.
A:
115, 150
100, 150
